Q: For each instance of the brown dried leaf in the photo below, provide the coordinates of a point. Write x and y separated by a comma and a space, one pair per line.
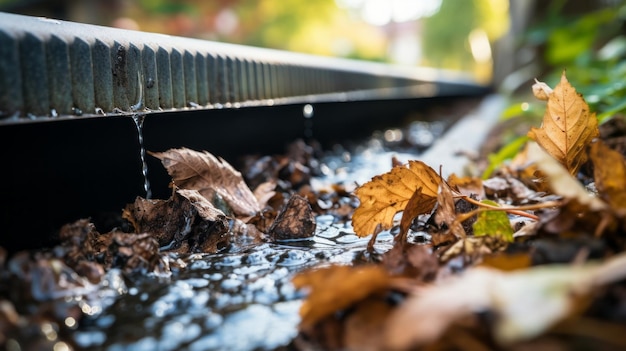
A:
560, 181
467, 185
336, 288
166, 220
210, 176
418, 204
387, 194
567, 128
609, 173
205, 208
446, 211
415, 261
295, 220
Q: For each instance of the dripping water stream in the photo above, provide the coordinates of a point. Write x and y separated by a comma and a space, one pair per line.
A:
138, 118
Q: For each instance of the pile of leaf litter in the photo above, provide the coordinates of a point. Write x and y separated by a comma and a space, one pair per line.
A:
532, 257
198, 269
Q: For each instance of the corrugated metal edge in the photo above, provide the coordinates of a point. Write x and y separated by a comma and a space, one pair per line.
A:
51, 68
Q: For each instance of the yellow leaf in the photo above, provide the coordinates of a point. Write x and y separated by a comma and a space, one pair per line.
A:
567, 128
387, 194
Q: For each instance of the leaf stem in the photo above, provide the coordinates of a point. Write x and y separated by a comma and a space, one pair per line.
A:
516, 210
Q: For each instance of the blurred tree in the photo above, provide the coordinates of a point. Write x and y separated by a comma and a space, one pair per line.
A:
316, 27
446, 34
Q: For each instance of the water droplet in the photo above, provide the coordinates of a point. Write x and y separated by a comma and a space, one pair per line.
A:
307, 111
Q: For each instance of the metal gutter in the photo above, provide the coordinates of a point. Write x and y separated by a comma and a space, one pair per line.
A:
52, 68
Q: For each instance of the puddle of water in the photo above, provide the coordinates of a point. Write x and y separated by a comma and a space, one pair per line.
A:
229, 301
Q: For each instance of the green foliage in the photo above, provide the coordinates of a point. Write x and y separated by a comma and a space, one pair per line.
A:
493, 223
505, 153
445, 34
591, 47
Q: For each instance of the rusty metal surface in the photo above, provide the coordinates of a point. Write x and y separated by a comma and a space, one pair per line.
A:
51, 68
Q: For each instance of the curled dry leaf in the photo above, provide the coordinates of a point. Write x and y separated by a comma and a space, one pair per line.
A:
387, 194
211, 176
568, 127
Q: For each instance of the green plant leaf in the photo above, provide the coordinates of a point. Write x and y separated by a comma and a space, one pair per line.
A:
493, 223
505, 153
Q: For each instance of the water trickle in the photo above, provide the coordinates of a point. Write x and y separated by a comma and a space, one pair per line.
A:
138, 118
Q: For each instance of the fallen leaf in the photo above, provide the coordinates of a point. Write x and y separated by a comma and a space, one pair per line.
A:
294, 221
166, 220
560, 181
415, 261
472, 248
467, 185
567, 128
335, 288
205, 208
446, 211
211, 176
493, 223
387, 194
524, 303
609, 173
418, 204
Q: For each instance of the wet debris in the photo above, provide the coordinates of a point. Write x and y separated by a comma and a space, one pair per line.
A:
294, 221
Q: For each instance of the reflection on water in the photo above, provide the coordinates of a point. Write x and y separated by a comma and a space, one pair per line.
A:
230, 301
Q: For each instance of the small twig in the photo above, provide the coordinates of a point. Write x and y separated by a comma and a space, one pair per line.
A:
516, 210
